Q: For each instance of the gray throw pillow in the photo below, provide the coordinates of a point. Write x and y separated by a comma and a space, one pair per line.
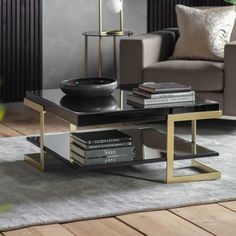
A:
203, 32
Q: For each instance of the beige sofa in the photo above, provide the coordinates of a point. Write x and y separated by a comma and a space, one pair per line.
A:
146, 58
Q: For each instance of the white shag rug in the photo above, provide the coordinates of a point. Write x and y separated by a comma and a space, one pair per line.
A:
62, 194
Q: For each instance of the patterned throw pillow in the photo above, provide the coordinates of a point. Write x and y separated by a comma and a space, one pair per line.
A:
203, 32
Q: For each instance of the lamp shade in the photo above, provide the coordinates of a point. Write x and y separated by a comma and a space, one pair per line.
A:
114, 5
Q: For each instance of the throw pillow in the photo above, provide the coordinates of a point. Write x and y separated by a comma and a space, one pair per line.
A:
203, 32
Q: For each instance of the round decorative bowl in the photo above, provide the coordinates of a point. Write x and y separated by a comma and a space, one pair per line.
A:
88, 87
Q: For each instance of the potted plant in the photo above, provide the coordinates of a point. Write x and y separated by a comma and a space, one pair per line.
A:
3, 207
231, 1
2, 111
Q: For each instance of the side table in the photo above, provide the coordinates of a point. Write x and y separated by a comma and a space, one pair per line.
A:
100, 61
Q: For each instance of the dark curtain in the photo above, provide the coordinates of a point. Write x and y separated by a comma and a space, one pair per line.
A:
20, 48
161, 13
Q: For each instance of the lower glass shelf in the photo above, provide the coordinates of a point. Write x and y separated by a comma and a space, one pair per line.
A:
150, 147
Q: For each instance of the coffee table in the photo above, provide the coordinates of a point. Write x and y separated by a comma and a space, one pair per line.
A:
151, 145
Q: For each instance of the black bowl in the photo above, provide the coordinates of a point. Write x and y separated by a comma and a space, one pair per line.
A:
89, 87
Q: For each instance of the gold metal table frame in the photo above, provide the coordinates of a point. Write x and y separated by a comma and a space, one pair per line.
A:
207, 173
38, 159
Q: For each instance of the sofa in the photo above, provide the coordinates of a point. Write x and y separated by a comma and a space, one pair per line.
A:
145, 58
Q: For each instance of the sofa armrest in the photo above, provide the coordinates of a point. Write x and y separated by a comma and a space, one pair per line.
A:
230, 79
139, 52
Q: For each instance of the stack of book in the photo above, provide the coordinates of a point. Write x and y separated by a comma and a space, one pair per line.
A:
152, 94
101, 147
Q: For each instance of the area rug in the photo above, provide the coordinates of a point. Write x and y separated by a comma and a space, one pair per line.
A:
62, 194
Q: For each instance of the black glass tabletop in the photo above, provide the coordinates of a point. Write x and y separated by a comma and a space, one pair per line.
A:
149, 143
111, 109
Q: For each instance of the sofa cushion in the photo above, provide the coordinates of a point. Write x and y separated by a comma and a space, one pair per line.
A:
202, 75
203, 32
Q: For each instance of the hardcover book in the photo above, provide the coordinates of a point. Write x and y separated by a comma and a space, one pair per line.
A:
101, 137
152, 87
149, 101
103, 145
145, 94
101, 152
102, 160
164, 105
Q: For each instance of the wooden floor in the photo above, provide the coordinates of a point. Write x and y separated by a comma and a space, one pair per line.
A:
212, 219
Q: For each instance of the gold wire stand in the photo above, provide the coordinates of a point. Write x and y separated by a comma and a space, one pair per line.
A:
113, 32
100, 55
101, 34
116, 32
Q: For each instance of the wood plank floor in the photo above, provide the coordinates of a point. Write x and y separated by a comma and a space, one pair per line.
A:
212, 219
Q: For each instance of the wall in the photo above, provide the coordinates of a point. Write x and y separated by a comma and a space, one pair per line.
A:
63, 43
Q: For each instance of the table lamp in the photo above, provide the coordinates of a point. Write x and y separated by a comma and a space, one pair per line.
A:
116, 6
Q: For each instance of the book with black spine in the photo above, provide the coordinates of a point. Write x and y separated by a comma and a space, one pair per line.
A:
102, 160
101, 152
148, 101
103, 145
145, 94
101, 137
159, 88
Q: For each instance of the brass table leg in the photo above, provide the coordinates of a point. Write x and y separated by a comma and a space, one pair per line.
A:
209, 173
121, 99
73, 129
194, 136
86, 57
114, 60
37, 159
100, 58
194, 131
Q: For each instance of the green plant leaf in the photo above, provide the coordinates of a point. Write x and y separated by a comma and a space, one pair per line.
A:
231, 1
2, 112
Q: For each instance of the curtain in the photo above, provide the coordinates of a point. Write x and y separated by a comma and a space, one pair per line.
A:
161, 13
20, 48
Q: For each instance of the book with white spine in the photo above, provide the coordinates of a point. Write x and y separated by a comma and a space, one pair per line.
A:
102, 160
163, 105
148, 101
101, 152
